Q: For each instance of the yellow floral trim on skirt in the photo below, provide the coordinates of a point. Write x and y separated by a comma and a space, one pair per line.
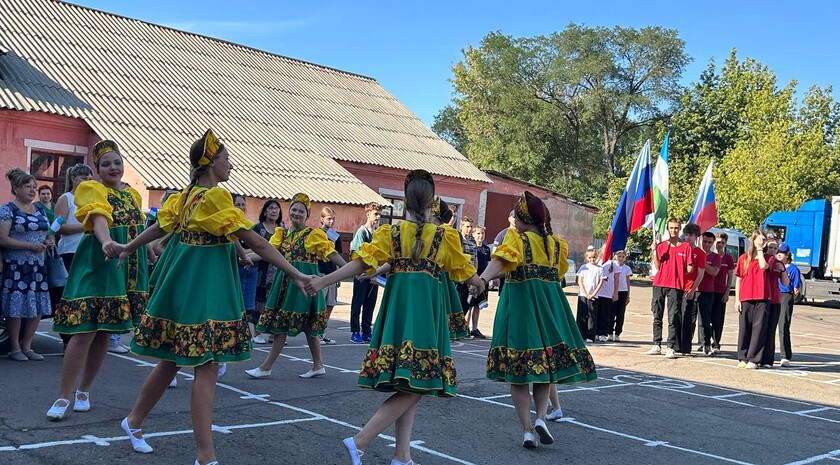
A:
219, 338
421, 364
507, 362
90, 312
276, 321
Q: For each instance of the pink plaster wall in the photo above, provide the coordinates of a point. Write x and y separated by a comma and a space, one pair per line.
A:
16, 126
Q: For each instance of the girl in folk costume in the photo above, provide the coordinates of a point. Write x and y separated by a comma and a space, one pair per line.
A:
99, 297
409, 351
451, 301
535, 339
288, 310
196, 319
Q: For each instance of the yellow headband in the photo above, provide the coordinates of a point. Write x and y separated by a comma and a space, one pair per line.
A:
102, 147
212, 146
301, 198
522, 209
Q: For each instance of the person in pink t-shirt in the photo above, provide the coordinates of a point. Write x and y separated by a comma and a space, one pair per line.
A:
673, 260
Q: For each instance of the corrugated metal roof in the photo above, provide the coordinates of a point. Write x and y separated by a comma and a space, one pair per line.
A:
155, 90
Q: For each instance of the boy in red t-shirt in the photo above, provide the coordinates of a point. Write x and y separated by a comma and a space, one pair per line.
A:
723, 282
672, 260
706, 297
692, 280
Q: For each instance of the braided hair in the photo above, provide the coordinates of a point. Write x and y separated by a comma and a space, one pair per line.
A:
196, 152
419, 194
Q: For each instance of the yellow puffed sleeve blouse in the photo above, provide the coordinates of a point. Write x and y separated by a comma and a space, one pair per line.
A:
450, 256
512, 251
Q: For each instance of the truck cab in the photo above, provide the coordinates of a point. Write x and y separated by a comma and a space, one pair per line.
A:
812, 233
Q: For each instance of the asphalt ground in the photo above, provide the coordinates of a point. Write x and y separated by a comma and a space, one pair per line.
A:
642, 409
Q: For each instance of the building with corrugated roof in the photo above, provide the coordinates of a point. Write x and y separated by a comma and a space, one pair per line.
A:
71, 76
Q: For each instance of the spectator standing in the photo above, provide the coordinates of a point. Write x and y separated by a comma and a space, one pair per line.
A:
477, 303
777, 277
326, 267
752, 292
672, 259
365, 290
71, 230
24, 238
789, 294
607, 296
590, 279
497, 241
45, 197
692, 280
469, 247
269, 220
706, 294
616, 325
723, 282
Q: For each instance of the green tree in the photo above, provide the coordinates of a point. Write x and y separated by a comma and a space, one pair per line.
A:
560, 110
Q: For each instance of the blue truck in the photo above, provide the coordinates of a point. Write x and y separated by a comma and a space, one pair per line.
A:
813, 234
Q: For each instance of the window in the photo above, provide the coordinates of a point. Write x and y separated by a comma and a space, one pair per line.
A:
780, 231
50, 169
393, 214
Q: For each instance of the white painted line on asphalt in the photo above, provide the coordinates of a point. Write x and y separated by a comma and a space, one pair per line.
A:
830, 420
90, 439
241, 392
814, 410
726, 396
647, 442
256, 396
831, 455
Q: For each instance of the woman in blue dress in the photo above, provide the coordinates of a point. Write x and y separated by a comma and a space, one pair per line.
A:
24, 238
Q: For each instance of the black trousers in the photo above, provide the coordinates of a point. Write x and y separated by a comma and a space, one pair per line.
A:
785, 316
605, 309
705, 302
364, 300
587, 317
718, 316
688, 320
770, 335
752, 328
619, 308
674, 300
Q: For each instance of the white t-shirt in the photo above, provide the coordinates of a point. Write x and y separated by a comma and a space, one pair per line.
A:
68, 243
591, 277
625, 271
609, 279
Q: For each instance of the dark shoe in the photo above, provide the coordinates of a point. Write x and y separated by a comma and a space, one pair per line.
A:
356, 338
477, 334
366, 337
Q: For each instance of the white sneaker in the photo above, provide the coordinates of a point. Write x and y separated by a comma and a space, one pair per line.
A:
529, 441
117, 348
259, 339
785, 362
669, 353
589, 341
602, 338
616, 338
542, 430
751, 366
742, 364
314, 373
258, 373
327, 341
654, 350
222, 369
610, 337
555, 415
82, 402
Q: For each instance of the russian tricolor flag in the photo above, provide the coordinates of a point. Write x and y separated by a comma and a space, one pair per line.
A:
704, 212
636, 203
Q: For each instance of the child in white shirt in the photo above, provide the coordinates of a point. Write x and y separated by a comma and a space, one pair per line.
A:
590, 279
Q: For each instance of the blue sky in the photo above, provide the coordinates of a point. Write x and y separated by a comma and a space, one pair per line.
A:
410, 47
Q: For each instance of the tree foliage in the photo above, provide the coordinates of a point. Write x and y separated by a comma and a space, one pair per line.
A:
559, 110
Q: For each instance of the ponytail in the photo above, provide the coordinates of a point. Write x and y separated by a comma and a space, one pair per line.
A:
418, 239
419, 195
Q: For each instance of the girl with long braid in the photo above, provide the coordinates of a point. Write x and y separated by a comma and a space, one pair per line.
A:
409, 351
535, 338
194, 318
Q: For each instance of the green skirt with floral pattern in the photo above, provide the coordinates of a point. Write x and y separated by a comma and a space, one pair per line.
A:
98, 295
196, 313
535, 337
452, 303
289, 310
409, 348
